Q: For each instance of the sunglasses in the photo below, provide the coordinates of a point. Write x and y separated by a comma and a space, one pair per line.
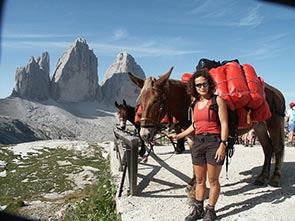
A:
205, 84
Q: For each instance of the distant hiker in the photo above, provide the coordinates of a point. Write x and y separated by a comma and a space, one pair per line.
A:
290, 119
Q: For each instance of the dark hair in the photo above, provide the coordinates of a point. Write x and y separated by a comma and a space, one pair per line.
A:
201, 73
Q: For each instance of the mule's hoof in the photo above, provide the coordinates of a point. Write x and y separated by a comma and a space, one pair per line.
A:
190, 201
188, 188
274, 182
260, 182
178, 151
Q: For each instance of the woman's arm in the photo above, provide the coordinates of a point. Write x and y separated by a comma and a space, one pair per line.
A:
183, 134
223, 118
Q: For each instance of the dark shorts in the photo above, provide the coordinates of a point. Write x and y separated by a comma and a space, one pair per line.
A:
204, 149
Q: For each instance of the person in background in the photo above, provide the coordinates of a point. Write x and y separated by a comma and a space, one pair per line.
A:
290, 120
210, 141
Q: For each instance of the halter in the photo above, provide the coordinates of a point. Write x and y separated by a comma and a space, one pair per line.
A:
154, 123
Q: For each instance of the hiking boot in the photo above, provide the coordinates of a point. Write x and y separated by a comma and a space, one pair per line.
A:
197, 212
210, 214
289, 144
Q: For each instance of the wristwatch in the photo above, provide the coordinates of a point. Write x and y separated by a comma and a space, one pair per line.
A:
224, 142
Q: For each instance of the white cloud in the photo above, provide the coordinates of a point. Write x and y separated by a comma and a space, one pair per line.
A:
30, 36
156, 47
144, 49
227, 13
35, 44
120, 34
252, 18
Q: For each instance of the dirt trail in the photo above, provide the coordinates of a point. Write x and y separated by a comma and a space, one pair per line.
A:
162, 182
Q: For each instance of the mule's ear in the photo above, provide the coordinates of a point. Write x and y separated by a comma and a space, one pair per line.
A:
124, 102
139, 82
163, 78
116, 104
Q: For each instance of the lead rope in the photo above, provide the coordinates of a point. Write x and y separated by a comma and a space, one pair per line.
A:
229, 153
228, 156
151, 145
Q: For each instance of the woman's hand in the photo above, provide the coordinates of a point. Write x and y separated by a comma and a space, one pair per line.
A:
173, 136
220, 153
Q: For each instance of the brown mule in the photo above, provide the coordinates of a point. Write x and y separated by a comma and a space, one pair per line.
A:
162, 95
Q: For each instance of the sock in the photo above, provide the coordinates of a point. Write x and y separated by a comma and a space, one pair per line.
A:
199, 203
210, 207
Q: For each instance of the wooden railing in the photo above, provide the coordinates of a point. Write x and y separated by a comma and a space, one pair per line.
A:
126, 147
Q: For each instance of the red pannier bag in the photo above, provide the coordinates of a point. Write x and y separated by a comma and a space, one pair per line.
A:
174, 120
256, 87
165, 119
186, 77
261, 113
138, 113
244, 118
236, 84
220, 80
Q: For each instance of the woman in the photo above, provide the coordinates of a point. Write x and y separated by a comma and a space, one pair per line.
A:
208, 150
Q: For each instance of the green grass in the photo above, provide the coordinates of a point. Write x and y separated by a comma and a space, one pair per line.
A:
31, 177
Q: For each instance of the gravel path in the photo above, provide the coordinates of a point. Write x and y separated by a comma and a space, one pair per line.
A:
162, 182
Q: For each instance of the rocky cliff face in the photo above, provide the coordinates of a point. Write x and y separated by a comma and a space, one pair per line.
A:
32, 81
70, 115
116, 84
75, 77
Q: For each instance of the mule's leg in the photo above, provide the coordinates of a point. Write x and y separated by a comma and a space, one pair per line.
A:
276, 130
191, 186
180, 143
266, 144
180, 146
142, 150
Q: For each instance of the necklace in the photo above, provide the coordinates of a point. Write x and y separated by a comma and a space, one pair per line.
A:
202, 103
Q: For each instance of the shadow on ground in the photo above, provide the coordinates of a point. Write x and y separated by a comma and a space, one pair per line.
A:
271, 195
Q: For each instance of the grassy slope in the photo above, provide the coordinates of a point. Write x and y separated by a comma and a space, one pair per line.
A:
47, 171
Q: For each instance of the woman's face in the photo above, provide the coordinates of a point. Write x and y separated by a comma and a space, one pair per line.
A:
201, 85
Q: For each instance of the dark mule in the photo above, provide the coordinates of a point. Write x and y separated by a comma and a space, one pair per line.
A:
127, 113
167, 95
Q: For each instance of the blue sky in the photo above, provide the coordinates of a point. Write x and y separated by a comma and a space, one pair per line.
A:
157, 33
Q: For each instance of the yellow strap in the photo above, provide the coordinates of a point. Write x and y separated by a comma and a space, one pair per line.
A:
249, 117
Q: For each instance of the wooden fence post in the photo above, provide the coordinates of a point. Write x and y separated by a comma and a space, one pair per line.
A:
127, 154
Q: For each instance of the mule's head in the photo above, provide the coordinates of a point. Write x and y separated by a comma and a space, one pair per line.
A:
122, 113
153, 103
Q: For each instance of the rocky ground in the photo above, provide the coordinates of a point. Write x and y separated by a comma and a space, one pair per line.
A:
162, 179
45, 179
23, 120
162, 183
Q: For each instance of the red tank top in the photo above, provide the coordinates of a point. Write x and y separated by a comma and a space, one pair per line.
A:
201, 120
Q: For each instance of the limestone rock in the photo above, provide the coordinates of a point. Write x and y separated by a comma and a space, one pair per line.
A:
116, 84
33, 81
75, 77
